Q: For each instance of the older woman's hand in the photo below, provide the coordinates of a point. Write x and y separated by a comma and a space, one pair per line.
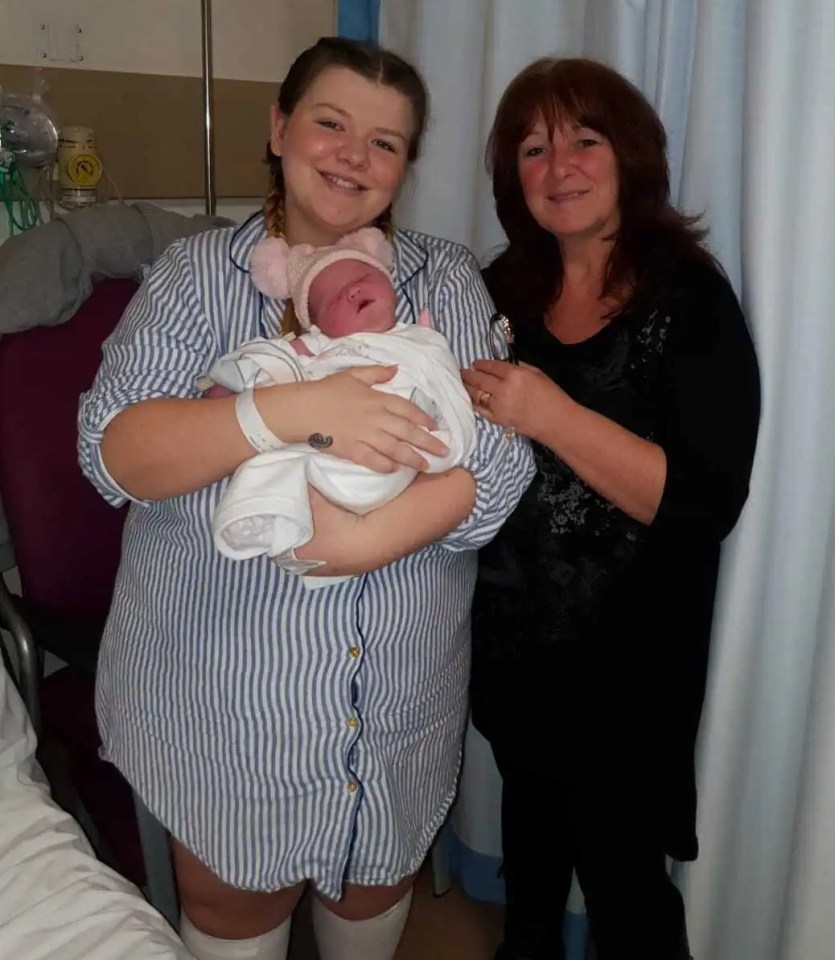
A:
514, 396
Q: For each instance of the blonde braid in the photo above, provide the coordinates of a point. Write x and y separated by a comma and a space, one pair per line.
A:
385, 223
274, 209
274, 218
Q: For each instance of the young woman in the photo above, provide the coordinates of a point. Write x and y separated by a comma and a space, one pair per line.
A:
286, 735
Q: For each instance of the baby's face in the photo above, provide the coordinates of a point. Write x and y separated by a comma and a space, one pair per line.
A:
349, 297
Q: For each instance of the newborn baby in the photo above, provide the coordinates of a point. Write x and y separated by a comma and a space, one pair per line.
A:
345, 300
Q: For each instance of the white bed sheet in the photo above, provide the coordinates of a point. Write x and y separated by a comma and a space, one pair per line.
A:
57, 901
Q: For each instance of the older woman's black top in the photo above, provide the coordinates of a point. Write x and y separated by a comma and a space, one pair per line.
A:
590, 629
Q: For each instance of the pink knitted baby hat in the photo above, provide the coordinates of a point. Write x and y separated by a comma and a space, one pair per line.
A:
282, 271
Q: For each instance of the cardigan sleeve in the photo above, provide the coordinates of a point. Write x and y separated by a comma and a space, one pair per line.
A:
711, 401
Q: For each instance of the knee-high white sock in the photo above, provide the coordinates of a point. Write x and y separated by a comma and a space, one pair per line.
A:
271, 945
374, 939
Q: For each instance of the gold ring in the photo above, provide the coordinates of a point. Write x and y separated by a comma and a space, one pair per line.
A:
484, 399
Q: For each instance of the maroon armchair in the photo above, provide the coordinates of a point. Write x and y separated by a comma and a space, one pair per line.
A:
66, 538
67, 543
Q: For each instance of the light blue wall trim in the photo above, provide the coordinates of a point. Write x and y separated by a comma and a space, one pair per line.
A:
359, 19
575, 935
478, 873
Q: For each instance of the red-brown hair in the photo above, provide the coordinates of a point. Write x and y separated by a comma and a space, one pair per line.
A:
528, 273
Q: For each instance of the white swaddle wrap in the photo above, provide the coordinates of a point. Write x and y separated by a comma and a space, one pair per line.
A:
265, 509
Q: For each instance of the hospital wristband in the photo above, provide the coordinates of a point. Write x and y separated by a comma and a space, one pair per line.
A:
257, 433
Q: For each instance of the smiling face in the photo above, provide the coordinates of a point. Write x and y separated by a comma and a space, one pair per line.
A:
351, 296
344, 154
569, 179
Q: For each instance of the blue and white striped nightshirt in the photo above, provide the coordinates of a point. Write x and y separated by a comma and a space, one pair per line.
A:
281, 733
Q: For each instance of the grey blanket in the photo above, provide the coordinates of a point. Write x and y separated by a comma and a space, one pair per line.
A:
48, 272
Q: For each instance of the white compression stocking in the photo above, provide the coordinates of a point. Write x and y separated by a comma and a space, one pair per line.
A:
271, 945
374, 939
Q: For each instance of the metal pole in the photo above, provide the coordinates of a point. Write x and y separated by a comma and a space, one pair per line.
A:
208, 106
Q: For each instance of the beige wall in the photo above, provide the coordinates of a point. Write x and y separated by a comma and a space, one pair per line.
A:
139, 83
253, 39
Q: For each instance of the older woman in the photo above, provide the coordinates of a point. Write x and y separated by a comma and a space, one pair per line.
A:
638, 384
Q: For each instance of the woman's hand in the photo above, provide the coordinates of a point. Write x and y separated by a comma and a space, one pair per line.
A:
335, 531
431, 506
628, 470
374, 429
517, 396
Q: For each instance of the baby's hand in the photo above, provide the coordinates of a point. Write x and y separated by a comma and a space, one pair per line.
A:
217, 391
300, 347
